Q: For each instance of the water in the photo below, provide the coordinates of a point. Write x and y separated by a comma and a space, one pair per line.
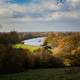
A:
35, 41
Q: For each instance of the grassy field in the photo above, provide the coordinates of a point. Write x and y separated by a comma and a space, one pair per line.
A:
26, 46
45, 74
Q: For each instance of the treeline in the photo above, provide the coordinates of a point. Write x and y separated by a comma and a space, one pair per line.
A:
16, 37
65, 45
58, 50
17, 60
9, 38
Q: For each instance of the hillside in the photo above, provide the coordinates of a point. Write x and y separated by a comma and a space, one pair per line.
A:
60, 49
45, 74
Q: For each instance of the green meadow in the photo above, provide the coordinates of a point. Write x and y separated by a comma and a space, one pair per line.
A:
45, 74
31, 48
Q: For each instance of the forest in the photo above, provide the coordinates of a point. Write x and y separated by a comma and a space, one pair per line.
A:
60, 49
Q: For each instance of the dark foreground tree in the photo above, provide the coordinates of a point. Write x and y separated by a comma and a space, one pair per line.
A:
12, 60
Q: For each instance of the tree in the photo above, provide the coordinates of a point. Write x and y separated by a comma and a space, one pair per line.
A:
74, 57
12, 60
9, 38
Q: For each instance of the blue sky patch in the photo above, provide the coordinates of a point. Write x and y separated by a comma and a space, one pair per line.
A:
19, 1
23, 1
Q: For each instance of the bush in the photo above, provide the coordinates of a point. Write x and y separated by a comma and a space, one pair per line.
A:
12, 60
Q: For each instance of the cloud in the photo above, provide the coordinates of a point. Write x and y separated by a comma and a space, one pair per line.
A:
41, 10
74, 3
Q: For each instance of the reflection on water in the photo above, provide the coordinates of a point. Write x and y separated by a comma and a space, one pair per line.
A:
35, 41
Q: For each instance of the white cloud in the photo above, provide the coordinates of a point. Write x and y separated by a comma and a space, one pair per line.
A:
18, 8
45, 10
3, 11
74, 4
66, 15
46, 15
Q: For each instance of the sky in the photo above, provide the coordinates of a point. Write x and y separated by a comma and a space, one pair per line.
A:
39, 15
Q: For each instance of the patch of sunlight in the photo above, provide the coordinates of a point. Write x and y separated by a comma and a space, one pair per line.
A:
26, 46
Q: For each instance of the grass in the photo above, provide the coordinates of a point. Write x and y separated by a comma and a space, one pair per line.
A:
31, 48
45, 74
